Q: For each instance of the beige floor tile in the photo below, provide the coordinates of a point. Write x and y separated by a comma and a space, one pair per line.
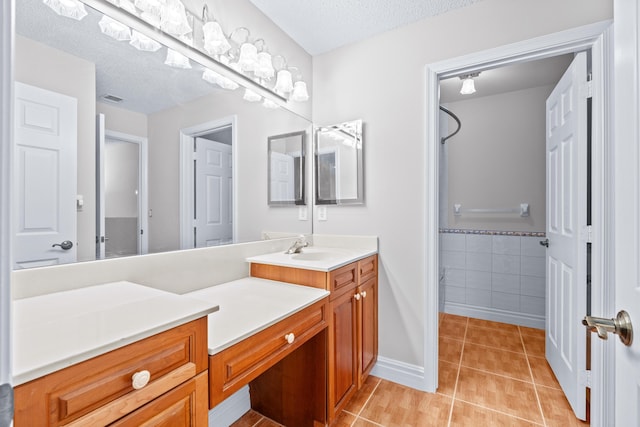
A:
249, 419
502, 394
542, 373
449, 350
452, 328
396, 405
531, 331
534, 345
467, 415
481, 323
557, 411
344, 419
357, 402
447, 376
502, 339
497, 361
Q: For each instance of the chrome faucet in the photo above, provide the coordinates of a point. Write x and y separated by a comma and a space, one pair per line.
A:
297, 246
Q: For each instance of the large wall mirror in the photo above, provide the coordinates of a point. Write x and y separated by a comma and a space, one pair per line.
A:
72, 73
287, 169
339, 164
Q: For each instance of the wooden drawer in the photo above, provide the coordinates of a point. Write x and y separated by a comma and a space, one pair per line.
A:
343, 279
367, 268
239, 364
99, 391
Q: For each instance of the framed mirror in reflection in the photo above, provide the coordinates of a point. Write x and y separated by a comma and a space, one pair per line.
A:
73, 64
339, 164
287, 169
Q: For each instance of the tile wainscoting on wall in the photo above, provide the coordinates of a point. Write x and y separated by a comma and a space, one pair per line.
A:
493, 275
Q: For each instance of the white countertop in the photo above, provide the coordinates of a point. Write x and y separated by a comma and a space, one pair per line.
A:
250, 305
315, 258
53, 331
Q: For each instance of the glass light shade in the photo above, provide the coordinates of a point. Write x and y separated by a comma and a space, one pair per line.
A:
468, 87
151, 18
173, 18
68, 8
270, 104
177, 60
300, 93
264, 69
215, 43
212, 77
284, 81
150, 6
251, 96
128, 6
114, 29
143, 43
248, 57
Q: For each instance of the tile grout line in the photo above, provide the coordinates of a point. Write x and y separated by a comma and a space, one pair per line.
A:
535, 387
455, 388
365, 404
499, 412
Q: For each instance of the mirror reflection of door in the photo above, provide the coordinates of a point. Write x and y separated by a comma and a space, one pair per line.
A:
122, 196
327, 186
213, 189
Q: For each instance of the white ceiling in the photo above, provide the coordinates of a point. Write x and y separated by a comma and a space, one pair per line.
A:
323, 25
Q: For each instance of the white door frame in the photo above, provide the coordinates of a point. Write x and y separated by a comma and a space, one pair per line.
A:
143, 199
186, 175
597, 37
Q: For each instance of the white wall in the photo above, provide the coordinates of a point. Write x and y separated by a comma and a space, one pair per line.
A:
497, 160
382, 81
120, 120
40, 65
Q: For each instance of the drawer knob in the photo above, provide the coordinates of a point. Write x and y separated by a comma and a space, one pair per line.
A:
140, 379
357, 297
290, 338
364, 294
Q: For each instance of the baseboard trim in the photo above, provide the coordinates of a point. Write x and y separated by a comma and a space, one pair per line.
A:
399, 372
231, 409
522, 319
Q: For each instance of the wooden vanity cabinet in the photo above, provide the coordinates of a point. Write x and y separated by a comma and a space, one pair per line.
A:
352, 347
99, 391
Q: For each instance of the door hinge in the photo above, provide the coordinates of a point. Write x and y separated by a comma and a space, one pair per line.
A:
589, 89
587, 234
585, 378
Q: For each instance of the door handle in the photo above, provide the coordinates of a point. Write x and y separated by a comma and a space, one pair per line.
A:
545, 243
66, 245
620, 326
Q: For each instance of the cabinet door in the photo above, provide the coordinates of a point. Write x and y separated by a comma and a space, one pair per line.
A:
184, 406
368, 328
343, 360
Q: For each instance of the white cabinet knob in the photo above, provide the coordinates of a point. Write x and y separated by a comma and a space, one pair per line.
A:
357, 297
290, 338
364, 294
140, 379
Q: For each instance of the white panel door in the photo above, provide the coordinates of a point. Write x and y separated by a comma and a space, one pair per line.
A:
627, 209
45, 177
282, 185
566, 222
100, 199
213, 222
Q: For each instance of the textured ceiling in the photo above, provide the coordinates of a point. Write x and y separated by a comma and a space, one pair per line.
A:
323, 25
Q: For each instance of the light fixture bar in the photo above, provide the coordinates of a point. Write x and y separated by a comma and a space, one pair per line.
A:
190, 52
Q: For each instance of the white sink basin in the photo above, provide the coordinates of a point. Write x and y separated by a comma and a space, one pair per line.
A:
314, 256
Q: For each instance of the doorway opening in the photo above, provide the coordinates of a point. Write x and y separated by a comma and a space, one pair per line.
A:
595, 38
207, 193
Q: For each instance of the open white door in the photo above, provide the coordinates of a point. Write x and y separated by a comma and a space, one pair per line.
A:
45, 147
282, 185
566, 225
100, 227
626, 396
213, 220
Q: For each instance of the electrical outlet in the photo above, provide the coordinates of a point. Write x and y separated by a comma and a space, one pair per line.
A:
302, 213
322, 213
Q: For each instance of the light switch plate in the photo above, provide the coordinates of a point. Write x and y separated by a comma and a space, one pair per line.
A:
302, 213
322, 213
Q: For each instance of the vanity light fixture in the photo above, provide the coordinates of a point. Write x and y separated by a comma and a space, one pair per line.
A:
143, 43
284, 81
152, 7
68, 8
114, 29
173, 18
299, 92
128, 6
264, 69
251, 96
270, 104
468, 85
177, 60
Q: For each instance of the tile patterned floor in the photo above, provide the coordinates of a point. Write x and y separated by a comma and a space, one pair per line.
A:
490, 374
